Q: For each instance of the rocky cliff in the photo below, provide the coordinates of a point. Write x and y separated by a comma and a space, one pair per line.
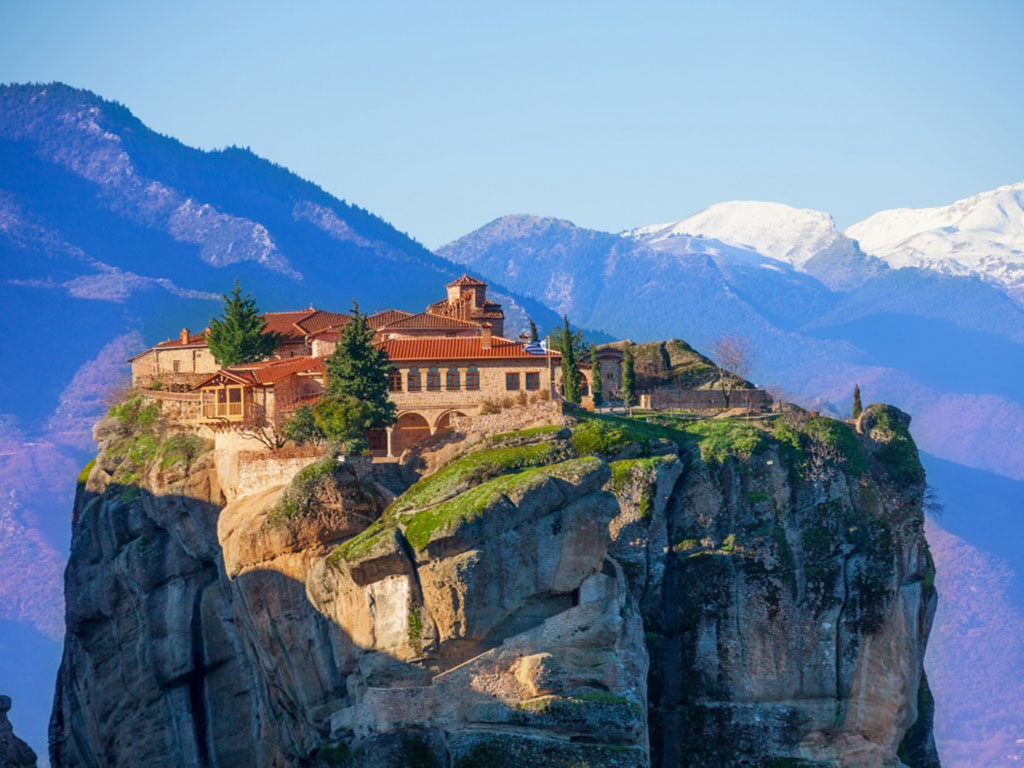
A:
591, 592
14, 753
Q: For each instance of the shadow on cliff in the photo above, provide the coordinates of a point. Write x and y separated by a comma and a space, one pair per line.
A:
168, 661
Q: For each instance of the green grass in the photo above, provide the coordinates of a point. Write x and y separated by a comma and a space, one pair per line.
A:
137, 411
601, 434
182, 448
470, 505
718, 439
838, 440
898, 454
525, 434
362, 543
475, 468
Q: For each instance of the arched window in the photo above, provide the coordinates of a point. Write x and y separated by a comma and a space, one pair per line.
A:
414, 380
452, 379
473, 378
395, 380
433, 380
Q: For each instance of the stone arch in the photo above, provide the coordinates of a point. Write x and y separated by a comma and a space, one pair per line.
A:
409, 429
444, 421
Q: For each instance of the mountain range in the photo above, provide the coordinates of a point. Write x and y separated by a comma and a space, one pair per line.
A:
113, 236
825, 311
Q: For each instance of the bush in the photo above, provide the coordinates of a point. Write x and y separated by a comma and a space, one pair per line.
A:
342, 418
301, 428
182, 449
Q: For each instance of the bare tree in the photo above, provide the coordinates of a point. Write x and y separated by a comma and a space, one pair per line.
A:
268, 431
734, 358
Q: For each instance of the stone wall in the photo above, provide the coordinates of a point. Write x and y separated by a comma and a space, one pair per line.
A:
701, 399
246, 472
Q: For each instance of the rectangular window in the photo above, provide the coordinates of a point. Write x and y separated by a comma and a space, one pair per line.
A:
414, 380
234, 401
473, 378
511, 381
395, 381
176, 365
452, 379
533, 381
433, 380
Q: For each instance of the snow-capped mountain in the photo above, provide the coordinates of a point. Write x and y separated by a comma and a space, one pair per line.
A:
805, 239
981, 235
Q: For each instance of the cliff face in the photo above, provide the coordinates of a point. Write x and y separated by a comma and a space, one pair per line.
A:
14, 753
593, 593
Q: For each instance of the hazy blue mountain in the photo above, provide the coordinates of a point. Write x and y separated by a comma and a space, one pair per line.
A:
822, 316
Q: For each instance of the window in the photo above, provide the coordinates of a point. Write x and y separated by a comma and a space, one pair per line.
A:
395, 380
584, 386
434, 380
176, 365
414, 380
533, 381
452, 379
511, 381
473, 378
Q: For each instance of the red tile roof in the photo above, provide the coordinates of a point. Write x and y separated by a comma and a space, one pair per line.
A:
386, 317
430, 320
269, 371
465, 280
322, 321
436, 348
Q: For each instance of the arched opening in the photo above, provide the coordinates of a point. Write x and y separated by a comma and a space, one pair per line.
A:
444, 424
409, 430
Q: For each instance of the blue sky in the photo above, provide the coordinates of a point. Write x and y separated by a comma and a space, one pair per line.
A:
443, 116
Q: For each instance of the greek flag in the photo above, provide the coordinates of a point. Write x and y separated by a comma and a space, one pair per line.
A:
536, 348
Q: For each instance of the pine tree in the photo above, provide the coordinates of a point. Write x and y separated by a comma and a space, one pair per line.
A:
597, 386
628, 378
533, 331
857, 407
570, 368
239, 334
357, 369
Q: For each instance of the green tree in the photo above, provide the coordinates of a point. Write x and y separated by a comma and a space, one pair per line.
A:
343, 419
570, 368
240, 335
597, 386
558, 338
302, 428
533, 331
628, 378
857, 407
360, 370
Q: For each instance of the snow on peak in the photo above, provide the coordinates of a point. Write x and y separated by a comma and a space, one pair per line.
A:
981, 235
792, 235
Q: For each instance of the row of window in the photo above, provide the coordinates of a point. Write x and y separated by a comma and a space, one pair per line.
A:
453, 380
413, 380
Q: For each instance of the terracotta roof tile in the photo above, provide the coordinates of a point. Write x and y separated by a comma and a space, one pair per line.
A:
436, 348
269, 371
430, 320
322, 321
465, 280
386, 317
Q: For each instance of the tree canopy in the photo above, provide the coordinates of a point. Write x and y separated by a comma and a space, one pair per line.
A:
240, 335
597, 386
628, 377
570, 368
357, 369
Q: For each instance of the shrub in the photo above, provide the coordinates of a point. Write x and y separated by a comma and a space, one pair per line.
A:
720, 438
342, 417
182, 449
301, 428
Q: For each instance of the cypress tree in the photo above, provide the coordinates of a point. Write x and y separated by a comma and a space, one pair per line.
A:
357, 369
570, 369
857, 407
239, 334
533, 331
597, 387
628, 378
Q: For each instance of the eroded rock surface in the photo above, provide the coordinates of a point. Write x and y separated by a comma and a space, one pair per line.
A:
14, 753
600, 593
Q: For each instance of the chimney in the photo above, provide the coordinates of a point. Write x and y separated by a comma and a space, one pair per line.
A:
184, 336
485, 336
